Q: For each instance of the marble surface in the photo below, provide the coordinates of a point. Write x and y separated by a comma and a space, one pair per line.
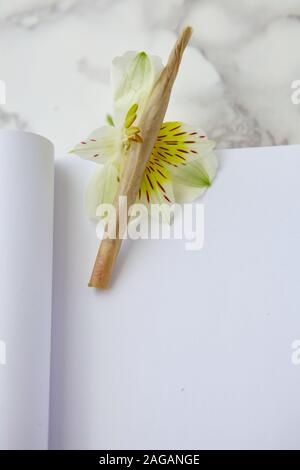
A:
235, 80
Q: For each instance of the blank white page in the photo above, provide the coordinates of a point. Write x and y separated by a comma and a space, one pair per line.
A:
26, 233
187, 350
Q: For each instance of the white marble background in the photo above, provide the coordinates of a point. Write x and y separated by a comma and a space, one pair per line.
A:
235, 81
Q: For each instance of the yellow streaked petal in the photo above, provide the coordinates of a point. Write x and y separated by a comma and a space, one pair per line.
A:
182, 165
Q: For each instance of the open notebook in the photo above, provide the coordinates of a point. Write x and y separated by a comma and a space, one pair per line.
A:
187, 350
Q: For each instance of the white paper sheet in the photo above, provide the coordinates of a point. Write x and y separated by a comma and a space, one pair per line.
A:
187, 350
26, 217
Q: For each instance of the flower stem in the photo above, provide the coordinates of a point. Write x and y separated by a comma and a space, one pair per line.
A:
138, 157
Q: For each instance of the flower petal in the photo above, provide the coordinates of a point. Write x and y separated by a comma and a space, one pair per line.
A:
187, 154
102, 188
178, 143
184, 194
198, 172
102, 144
156, 188
133, 77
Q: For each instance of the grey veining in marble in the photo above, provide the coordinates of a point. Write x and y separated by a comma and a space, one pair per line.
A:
235, 81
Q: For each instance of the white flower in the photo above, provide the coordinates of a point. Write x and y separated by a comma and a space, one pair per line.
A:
182, 164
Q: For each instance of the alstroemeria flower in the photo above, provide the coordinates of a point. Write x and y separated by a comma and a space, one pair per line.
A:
182, 164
